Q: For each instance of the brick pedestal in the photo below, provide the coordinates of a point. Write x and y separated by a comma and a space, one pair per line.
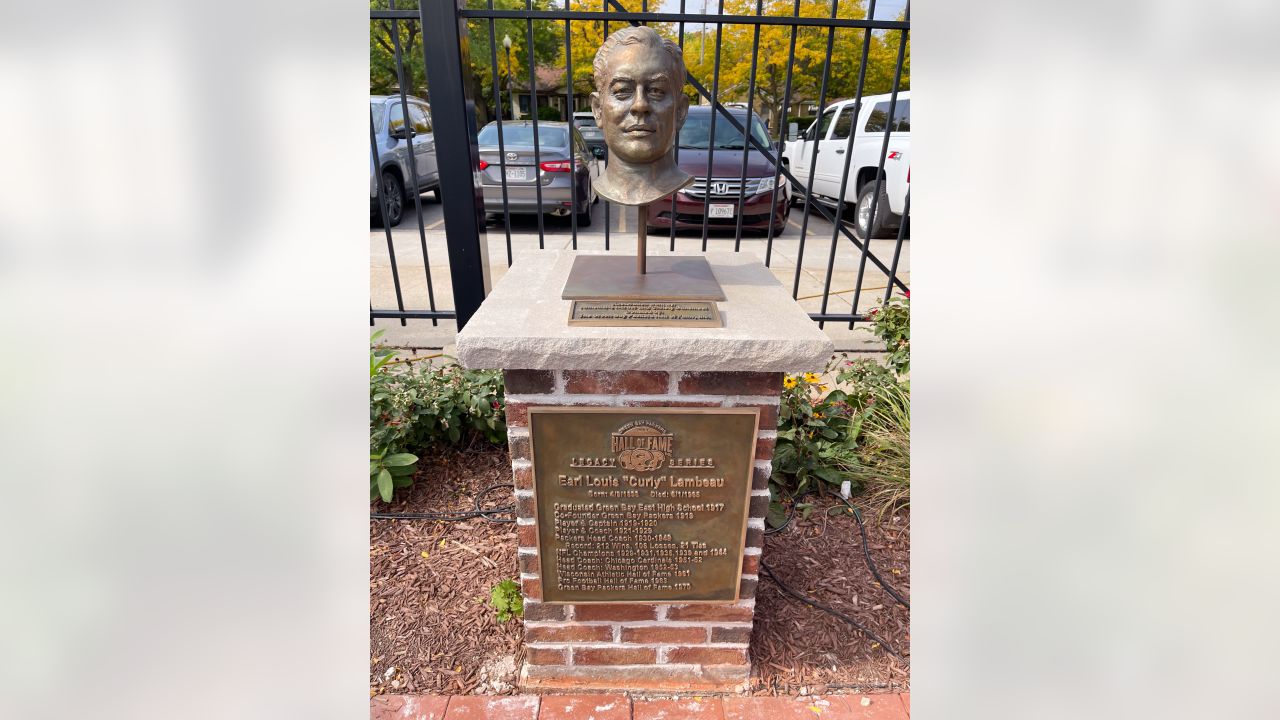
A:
654, 646
522, 329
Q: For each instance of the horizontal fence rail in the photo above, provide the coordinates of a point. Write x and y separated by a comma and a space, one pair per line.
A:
877, 132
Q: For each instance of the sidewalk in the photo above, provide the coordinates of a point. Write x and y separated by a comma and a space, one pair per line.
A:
619, 707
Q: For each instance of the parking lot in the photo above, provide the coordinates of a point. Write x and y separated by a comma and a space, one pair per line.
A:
558, 234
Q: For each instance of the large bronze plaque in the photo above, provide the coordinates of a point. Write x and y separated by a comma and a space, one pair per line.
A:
642, 504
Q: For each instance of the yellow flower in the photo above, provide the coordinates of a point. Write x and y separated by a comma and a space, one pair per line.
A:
822, 388
788, 382
811, 378
818, 415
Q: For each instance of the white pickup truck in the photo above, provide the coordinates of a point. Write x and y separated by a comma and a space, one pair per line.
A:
830, 135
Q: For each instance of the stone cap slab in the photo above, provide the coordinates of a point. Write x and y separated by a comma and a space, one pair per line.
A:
522, 325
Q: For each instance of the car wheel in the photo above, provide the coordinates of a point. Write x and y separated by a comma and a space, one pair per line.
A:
870, 227
435, 195
392, 199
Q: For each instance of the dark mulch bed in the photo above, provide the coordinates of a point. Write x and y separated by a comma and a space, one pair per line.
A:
432, 630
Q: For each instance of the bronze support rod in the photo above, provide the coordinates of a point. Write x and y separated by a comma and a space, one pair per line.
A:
642, 236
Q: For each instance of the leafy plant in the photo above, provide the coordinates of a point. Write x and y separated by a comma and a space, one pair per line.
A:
389, 472
891, 322
506, 601
859, 432
411, 408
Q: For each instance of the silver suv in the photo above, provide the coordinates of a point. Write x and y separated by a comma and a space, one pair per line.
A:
392, 137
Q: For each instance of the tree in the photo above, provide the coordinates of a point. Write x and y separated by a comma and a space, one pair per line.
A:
547, 48
382, 58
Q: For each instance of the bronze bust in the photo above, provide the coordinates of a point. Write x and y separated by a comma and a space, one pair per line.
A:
640, 104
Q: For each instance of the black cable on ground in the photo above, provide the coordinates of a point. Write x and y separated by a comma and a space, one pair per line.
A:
830, 611
867, 554
459, 515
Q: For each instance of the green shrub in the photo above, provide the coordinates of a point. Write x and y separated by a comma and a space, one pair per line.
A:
547, 112
416, 405
859, 432
506, 601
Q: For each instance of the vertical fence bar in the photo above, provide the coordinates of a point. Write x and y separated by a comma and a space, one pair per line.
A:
782, 133
711, 132
533, 115
604, 8
573, 147
411, 134
746, 141
382, 210
897, 247
880, 177
502, 147
452, 91
848, 157
677, 147
813, 156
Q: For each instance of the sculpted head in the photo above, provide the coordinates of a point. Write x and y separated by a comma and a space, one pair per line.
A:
639, 99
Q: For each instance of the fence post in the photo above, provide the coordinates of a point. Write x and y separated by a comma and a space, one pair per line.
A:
453, 113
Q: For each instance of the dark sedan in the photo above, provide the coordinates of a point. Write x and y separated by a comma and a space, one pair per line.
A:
757, 208
563, 167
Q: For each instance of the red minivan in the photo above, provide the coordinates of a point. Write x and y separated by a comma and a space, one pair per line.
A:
722, 209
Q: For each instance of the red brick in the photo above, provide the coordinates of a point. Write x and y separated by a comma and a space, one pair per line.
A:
525, 382
880, 706
527, 535
709, 708
906, 702
831, 707
760, 477
750, 564
768, 416
546, 656
666, 635
532, 589
517, 414
488, 707
615, 612
518, 445
707, 656
764, 448
522, 477
730, 634
589, 707
759, 506
755, 537
526, 506
529, 563
614, 656
731, 383
408, 707
569, 633
747, 589
652, 678
535, 612
628, 382
710, 611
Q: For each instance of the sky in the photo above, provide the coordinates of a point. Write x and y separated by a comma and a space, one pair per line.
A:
885, 9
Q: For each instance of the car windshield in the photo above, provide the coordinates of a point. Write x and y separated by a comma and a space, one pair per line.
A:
584, 121
696, 133
548, 137
377, 109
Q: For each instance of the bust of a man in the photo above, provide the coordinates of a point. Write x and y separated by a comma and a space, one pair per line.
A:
640, 104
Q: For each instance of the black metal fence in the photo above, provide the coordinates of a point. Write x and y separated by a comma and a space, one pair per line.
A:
448, 31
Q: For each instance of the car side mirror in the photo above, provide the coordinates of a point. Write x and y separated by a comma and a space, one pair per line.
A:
404, 132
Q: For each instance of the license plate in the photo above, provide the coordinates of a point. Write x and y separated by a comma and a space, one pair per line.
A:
720, 211
517, 173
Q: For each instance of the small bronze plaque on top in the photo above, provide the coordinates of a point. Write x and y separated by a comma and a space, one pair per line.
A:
642, 504
644, 313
